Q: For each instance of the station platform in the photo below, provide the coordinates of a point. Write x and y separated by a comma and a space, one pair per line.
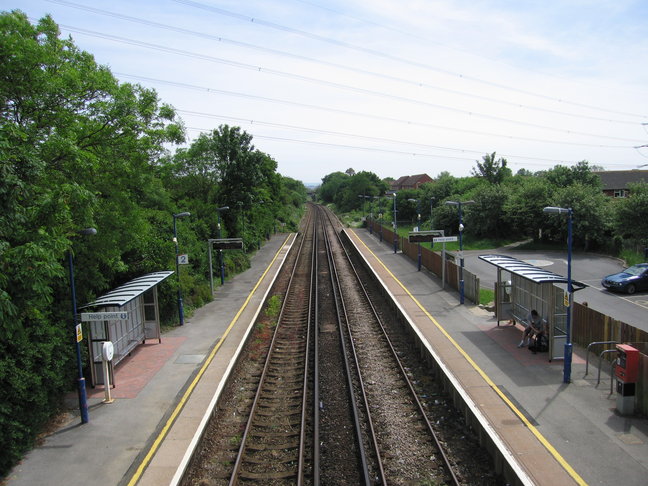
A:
577, 423
160, 396
163, 390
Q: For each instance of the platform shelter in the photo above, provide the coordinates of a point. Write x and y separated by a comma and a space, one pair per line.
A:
521, 287
139, 320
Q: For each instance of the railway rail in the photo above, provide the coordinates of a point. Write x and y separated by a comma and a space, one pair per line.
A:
328, 396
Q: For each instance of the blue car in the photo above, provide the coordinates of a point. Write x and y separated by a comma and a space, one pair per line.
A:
630, 280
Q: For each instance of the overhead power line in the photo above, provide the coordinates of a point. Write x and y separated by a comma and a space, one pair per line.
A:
409, 82
547, 163
331, 84
351, 135
355, 113
373, 52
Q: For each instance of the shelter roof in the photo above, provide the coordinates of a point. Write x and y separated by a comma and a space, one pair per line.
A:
528, 271
124, 294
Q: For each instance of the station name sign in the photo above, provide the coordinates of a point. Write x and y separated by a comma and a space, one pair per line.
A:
227, 243
424, 236
104, 316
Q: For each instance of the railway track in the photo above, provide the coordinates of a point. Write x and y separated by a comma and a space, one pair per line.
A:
401, 440
326, 397
273, 442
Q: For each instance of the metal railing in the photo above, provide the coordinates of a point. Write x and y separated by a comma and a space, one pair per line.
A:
588, 350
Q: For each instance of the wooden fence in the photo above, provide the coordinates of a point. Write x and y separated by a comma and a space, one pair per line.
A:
432, 261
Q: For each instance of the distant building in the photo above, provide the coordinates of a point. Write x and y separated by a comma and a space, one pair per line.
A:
615, 182
411, 182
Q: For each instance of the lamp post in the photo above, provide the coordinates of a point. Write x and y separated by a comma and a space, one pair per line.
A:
81, 387
371, 209
418, 212
431, 222
259, 240
570, 290
220, 251
461, 258
177, 252
364, 198
395, 227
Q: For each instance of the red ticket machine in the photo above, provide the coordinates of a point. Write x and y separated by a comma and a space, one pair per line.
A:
627, 368
627, 372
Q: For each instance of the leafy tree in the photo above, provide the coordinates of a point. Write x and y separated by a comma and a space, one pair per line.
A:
486, 217
331, 185
522, 209
581, 173
405, 209
76, 151
494, 171
343, 190
591, 221
631, 214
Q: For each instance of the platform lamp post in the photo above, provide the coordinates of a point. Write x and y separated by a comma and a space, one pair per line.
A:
220, 251
177, 252
395, 227
459, 204
259, 240
81, 387
371, 209
570, 290
431, 221
380, 216
418, 212
364, 198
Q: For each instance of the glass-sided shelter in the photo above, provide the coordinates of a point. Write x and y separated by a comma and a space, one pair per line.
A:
521, 287
138, 300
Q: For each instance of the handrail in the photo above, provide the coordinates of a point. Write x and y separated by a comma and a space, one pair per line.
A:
588, 350
599, 366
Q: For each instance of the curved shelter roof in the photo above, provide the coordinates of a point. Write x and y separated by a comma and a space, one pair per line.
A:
124, 294
528, 271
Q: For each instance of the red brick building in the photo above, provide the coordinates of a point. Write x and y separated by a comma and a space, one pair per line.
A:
410, 182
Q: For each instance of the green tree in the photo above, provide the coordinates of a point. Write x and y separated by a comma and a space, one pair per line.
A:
76, 150
486, 217
581, 173
522, 209
331, 185
492, 170
631, 214
591, 221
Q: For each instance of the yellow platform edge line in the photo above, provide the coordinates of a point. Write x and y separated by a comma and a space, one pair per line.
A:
552, 450
167, 426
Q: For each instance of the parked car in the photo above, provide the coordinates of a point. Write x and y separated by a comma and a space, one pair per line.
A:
630, 280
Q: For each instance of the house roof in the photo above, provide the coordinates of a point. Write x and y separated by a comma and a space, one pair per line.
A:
124, 294
619, 179
410, 181
528, 271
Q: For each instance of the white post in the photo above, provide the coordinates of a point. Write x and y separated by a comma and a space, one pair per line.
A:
107, 351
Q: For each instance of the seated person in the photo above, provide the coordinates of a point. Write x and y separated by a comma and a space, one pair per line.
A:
534, 325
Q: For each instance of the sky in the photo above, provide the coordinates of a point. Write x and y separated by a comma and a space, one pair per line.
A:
394, 87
